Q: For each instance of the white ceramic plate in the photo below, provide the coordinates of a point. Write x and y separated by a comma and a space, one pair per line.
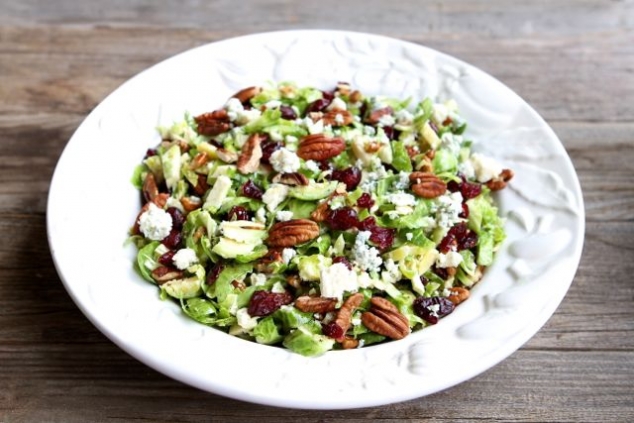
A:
92, 204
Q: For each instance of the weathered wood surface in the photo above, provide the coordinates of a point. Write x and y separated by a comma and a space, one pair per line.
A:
572, 60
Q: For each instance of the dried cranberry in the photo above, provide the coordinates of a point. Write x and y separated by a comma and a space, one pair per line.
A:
469, 190
178, 219
365, 201
350, 176
367, 223
150, 152
166, 259
426, 309
453, 186
251, 190
173, 240
325, 165
214, 273
328, 95
238, 213
263, 303
215, 143
381, 237
389, 132
468, 241
318, 105
332, 330
342, 219
465, 211
343, 260
448, 243
268, 148
424, 280
288, 113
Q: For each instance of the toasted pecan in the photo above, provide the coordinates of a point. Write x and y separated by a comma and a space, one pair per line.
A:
292, 233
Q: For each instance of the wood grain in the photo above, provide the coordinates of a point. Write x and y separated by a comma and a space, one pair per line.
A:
572, 60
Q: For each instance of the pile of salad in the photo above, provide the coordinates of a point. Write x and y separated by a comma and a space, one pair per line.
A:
317, 220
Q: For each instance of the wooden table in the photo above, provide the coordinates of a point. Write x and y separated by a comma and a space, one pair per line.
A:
572, 60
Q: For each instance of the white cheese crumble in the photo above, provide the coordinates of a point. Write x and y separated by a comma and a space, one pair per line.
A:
335, 280
155, 223
337, 202
386, 120
401, 199
485, 168
274, 196
260, 215
409, 236
184, 258
391, 274
311, 165
339, 119
402, 182
233, 108
466, 168
244, 320
451, 259
285, 161
284, 215
369, 131
246, 116
337, 104
273, 104
288, 254
451, 142
404, 117
366, 257
314, 127
448, 207
434, 309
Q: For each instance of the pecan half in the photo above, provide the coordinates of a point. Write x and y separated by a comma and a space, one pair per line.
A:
247, 94
249, 159
150, 189
191, 203
427, 185
213, 123
164, 274
500, 181
198, 161
355, 96
321, 212
319, 147
316, 304
226, 155
202, 186
292, 232
385, 319
292, 179
376, 115
458, 295
349, 343
344, 315
338, 118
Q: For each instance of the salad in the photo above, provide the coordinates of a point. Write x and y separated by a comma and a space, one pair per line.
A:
317, 220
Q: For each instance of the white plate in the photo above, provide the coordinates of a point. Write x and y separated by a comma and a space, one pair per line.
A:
92, 204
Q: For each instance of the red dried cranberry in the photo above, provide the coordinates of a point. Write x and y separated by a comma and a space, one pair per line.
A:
465, 211
468, 241
263, 303
173, 240
453, 186
150, 152
448, 243
343, 260
389, 132
268, 148
251, 190
424, 280
332, 330
178, 219
367, 223
365, 201
238, 213
166, 259
318, 105
350, 176
342, 219
469, 190
288, 113
424, 308
325, 165
214, 273
382, 237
